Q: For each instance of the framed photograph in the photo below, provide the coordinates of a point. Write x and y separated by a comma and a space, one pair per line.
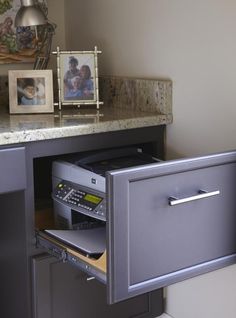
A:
77, 77
30, 91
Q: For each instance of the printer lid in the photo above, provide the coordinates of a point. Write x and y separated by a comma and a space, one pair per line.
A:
114, 159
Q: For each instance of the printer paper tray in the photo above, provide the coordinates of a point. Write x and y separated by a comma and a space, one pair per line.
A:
93, 267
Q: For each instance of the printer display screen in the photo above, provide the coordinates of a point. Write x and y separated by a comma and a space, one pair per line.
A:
92, 198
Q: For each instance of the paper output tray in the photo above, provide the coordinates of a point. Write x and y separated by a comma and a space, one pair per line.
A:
91, 242
66, 253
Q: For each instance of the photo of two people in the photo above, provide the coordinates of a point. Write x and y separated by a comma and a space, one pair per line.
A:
78, 78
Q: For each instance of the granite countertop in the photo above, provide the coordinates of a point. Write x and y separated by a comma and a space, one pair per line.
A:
128, 103
74, 122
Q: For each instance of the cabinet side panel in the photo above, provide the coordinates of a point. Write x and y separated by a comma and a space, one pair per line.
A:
14, 268
12, 169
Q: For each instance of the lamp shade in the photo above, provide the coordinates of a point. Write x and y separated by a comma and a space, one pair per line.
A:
29, 14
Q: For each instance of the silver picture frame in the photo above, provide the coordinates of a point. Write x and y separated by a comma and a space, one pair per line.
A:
77, 75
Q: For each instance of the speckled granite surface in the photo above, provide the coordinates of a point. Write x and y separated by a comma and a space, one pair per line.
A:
149, 95
25, 128
124, 108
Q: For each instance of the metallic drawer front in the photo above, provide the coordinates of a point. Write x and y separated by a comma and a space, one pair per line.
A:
12, 169
164, 238
154, 242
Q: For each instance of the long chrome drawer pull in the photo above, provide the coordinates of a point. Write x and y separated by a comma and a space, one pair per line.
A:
202, 194
90, 278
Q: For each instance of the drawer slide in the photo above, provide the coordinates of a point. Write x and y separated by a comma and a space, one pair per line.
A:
93, 267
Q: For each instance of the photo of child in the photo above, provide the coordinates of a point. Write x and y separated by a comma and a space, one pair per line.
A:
31, 91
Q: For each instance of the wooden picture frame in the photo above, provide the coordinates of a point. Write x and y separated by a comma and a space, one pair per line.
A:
30, 91
77, 73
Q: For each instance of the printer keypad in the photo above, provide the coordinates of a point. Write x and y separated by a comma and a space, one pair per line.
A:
77, 198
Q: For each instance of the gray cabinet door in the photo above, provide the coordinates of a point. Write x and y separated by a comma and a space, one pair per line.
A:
61, 290
12, 169
169, 221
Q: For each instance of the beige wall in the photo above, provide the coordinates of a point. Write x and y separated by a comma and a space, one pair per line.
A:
56, 14
191, 42
194, 44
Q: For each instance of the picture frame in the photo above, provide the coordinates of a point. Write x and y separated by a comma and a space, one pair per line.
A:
30, 91
77, 73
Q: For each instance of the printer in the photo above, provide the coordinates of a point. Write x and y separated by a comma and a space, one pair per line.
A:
79, 190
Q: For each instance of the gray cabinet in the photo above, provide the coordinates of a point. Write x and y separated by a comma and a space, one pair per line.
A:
13, 264
25, 184
12, 169
165, 222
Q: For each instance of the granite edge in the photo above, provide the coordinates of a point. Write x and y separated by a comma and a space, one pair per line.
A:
16, 137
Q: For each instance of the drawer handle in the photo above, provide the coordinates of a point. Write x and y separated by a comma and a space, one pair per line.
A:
202, 194
90, 278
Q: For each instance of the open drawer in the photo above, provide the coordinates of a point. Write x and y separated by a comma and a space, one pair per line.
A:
166, 222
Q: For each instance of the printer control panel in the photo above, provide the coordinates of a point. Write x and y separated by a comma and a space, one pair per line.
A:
81, 199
